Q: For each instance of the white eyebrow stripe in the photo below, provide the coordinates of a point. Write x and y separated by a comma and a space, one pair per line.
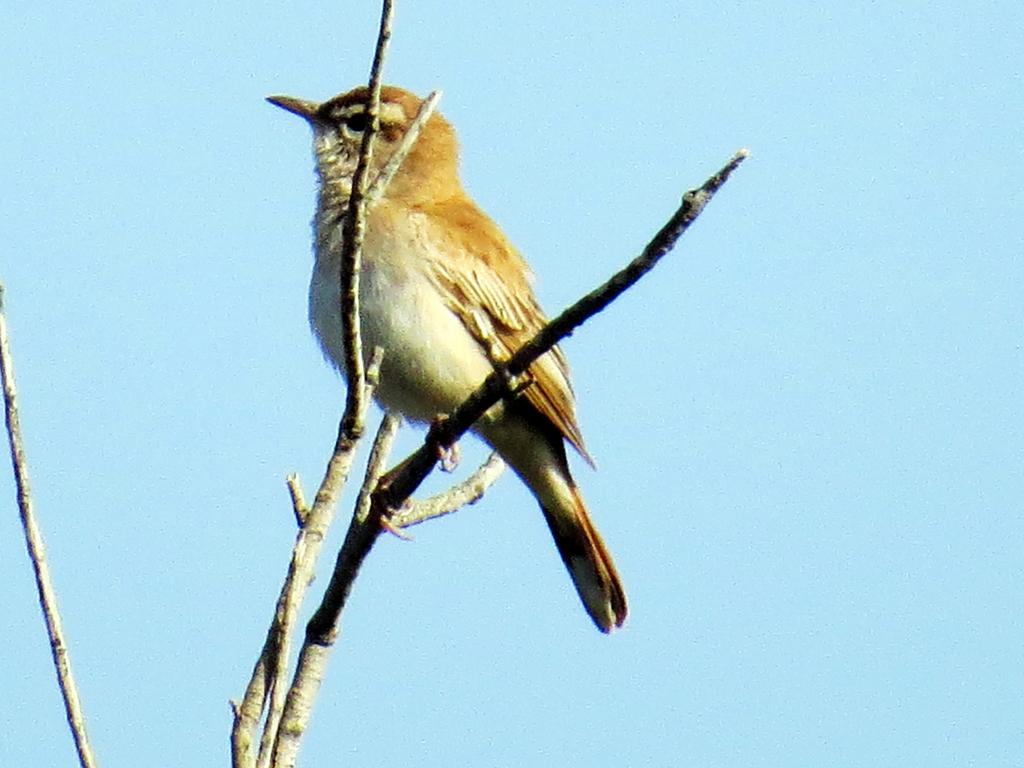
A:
389, 112
349, 109
392, 113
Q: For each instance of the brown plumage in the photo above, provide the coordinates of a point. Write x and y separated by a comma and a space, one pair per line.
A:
446, 294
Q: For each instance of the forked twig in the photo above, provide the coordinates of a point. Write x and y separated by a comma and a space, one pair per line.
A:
265, 688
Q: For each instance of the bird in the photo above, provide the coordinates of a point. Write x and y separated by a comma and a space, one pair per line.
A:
446, 295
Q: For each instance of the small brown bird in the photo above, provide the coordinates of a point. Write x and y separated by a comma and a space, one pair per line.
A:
445, 294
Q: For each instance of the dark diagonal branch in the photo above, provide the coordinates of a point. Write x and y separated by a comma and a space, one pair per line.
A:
401, 482
503, 380
37, 553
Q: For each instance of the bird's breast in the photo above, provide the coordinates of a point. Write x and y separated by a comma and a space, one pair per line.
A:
431, 361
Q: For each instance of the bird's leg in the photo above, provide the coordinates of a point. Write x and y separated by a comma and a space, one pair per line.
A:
519, 384
449, 457
383, 509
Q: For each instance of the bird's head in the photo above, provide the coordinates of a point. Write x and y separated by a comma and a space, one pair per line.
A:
428, 173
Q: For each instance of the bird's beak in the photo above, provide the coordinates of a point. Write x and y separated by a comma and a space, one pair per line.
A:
300, 107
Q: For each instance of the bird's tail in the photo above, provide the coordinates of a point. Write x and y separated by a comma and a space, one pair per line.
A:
586, 557
536, 452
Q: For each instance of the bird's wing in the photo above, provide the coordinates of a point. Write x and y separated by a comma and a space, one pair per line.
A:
486, 283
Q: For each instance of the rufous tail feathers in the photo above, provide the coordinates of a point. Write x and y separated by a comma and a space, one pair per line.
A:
588, 561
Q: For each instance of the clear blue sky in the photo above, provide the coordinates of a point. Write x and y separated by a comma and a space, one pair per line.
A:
807, 421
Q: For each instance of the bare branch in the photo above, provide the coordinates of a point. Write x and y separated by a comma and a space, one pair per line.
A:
37, 553
312, 662
313, 657
469, 491
279, 697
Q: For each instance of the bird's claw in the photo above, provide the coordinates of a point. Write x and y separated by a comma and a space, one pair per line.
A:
449, 457
394, 530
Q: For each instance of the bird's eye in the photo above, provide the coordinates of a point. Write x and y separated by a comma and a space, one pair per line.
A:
356, 122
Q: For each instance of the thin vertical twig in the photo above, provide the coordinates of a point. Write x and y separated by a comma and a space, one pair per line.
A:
379, 454
353, 231
375, 191
387, 173
37, 553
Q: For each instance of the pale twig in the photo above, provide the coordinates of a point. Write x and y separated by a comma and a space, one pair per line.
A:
469, 491
399, 484
278, 651
315, 652
379, 453
299, 507
37, 553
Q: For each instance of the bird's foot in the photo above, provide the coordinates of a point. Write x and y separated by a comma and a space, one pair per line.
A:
448, 455
394, 530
